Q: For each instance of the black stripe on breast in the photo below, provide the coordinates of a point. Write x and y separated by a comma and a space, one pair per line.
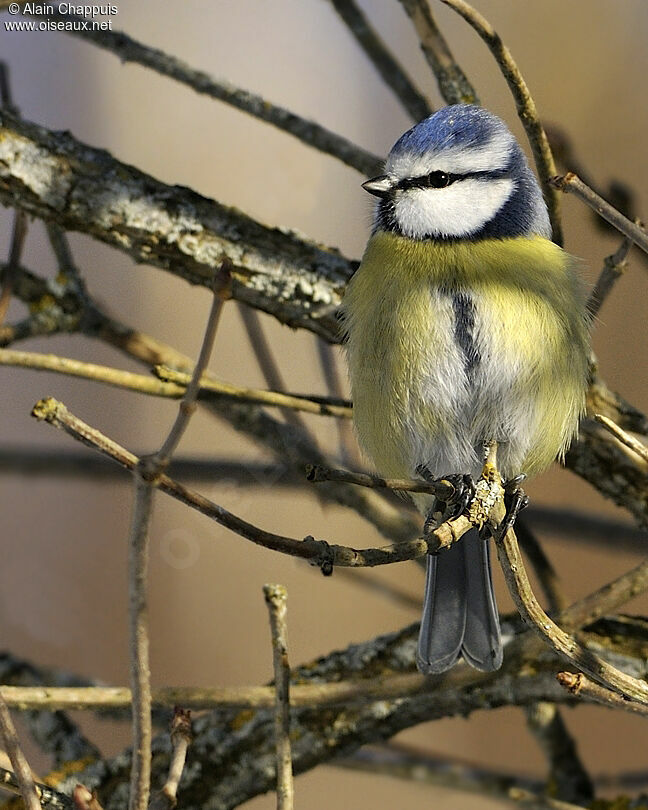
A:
464, 311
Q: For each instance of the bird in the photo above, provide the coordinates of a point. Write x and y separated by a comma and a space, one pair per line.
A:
464, 325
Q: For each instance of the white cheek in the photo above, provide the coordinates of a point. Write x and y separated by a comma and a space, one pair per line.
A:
459, 210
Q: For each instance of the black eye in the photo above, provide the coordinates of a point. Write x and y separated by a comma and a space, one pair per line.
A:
439, 179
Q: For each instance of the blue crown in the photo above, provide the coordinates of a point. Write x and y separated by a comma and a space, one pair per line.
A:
460, 125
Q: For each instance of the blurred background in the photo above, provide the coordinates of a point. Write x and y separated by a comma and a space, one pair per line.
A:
63, 577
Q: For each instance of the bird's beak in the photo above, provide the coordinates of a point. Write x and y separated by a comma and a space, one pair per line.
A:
378, 186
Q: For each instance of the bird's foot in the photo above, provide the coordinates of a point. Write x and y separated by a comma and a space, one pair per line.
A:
515, 500
457, 503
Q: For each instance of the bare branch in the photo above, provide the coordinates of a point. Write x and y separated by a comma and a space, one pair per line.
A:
564, 644
321, 406
525, 107
128, 49
181, 736
318, 552
11, 268
572, 184
453, 84
17, 758
276, 597
147, 471
397, 761
581, 686
265, 359
442, 489
52, 176
542, 566
625, 438
600, 459
390, 70
614, 267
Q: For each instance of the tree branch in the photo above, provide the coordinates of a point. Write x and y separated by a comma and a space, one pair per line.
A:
564, 644
390, 70
276, 597
52, 176
308, 132
453, 84
318, 552
580, 685
568, 780
18, 762
181, 736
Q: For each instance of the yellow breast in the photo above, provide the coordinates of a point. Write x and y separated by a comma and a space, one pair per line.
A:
414, 400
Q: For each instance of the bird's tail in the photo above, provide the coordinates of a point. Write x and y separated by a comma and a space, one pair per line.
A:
459, 611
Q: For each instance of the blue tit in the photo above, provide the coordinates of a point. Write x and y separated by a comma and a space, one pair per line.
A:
465, 324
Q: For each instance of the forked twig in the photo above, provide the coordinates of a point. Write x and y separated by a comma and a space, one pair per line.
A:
146, 471
572, 184
318, 552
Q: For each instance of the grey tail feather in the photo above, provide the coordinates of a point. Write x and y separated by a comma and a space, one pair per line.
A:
459, 610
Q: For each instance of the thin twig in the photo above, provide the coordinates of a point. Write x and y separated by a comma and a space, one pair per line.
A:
570, 183
442, 489
18, 762
266, 361
453, 84
181, 736
337, 693
390, 70
47, 796
146, 471
318, 552
525, 107
614, 267
321, 406
11, 268
6, 96
276, 597
172, 384
128, 49
625, 438
581, 686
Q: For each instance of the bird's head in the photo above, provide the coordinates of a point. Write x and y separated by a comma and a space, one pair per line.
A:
459, 174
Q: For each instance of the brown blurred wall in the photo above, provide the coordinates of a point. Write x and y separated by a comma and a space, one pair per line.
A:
63, 591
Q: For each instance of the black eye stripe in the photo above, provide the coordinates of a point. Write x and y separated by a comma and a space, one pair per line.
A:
438, 179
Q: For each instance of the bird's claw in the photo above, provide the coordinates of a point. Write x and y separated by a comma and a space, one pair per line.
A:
464, 492
515, 500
